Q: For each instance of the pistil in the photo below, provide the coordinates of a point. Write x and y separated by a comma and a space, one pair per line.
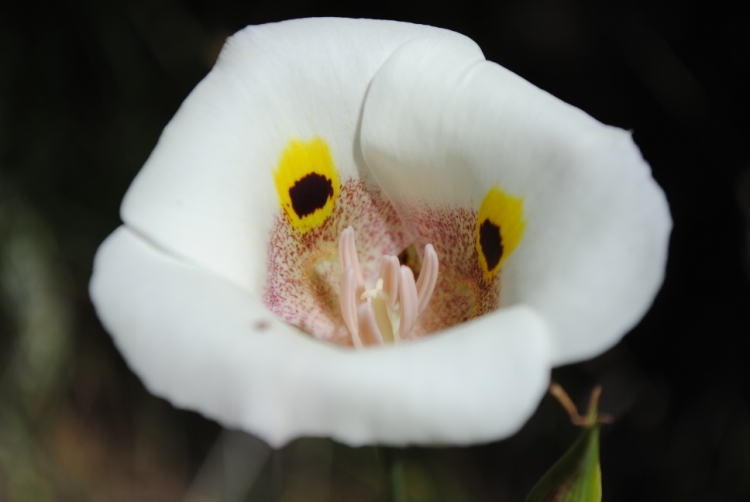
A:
387, 312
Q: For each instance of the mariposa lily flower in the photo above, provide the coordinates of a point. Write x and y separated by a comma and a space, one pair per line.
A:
256, 277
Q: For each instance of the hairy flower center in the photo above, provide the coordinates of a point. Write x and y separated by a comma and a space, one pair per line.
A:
386, 313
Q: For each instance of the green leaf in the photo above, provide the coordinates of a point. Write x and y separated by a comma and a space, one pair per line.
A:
577, 476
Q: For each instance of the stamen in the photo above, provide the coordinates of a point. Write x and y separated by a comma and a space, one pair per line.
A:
348, 300
407, 293
388, 312
348, 256
427, 277
389, 276
368, 326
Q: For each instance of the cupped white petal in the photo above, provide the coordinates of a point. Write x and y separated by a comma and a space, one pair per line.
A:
207, 345
440, 129
207, 192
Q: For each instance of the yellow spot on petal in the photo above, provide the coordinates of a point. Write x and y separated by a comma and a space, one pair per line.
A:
307, 183
499, 229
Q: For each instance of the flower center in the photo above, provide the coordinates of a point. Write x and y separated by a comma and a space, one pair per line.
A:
386, 313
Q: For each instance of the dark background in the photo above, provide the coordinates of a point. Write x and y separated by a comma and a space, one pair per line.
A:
85, 89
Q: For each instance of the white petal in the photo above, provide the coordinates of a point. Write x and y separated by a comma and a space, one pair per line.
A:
207, 192
207, 345
440, 128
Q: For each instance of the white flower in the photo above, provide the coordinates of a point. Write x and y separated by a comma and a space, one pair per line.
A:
545, 221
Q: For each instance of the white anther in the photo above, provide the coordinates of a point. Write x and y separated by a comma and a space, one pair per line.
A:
427, 277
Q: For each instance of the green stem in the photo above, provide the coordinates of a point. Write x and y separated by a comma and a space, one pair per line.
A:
393, 466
